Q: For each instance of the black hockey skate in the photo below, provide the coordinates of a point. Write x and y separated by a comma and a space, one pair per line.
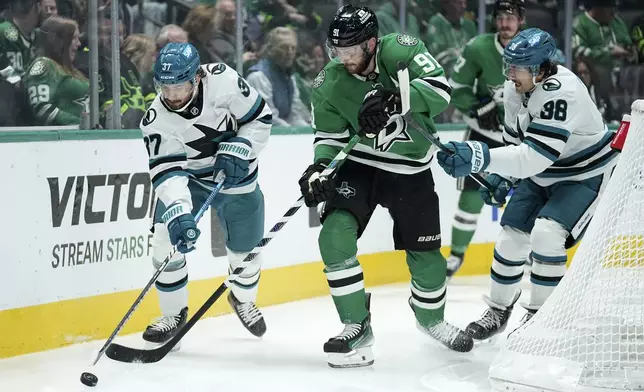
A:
531, 311
352, 347
250, 316
164, 328
448, 335
454, 263
494, 320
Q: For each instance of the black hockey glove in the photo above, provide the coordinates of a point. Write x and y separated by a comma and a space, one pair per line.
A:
377, 107
314, 188
486, 114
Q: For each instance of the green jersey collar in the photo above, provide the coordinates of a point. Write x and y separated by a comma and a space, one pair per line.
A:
497, 44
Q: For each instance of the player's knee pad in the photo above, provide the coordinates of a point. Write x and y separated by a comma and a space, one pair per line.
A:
246, 284
428, 281
510, 253
549, 258
338, 240
172, 282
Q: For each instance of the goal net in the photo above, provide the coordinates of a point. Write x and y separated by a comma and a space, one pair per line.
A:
589, 335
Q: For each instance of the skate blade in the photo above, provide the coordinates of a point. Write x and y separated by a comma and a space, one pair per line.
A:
360, 357
152, 346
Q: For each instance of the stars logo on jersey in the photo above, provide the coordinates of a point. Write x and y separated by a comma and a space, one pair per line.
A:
345, 190
38, 68
406, 40
497, 92
317, 82
11, 33
396, 131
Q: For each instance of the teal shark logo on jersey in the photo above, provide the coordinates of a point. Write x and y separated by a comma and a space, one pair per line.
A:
551, 85
392, 133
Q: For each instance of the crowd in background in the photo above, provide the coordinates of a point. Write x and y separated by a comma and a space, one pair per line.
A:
44, 55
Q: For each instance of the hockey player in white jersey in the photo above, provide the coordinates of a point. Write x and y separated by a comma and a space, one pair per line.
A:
558, 149
205, 119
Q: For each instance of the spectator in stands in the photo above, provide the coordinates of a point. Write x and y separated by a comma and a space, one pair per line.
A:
170, 33
586, 73
58, 93
132, 106
141, 50
448, 33
16, 37
273, 78
389, 20
200, 25
600, 36
308, 63
48, 8
224, 41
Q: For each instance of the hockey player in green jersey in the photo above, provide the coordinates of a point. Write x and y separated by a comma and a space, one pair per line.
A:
58, 93
356, 93
16, 36
477, 81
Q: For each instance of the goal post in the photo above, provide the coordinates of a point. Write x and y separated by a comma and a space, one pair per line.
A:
589, 335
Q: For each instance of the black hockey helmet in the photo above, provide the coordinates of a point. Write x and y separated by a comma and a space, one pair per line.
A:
510, 7
351, 26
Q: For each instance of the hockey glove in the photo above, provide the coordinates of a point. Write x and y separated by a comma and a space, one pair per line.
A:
181, 226
486, 114
377, 108
314, 188
500, 189
466, 158
233, 158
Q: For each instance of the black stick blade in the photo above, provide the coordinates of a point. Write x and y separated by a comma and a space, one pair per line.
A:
134, 355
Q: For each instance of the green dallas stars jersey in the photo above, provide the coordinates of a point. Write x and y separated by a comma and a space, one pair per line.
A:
55, 96
479, 73
16, 51
337, 96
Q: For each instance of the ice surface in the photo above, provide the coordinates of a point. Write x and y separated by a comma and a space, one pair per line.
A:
220, 355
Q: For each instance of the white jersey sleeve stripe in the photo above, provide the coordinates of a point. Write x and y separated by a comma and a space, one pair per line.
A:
542, 148
549, 131
154, 163
586, 153
166, 174
254, 111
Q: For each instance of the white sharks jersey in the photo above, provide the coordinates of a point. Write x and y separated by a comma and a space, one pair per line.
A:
555, 133
182, 146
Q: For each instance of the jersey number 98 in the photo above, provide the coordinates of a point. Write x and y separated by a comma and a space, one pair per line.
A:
555, 109
426, 61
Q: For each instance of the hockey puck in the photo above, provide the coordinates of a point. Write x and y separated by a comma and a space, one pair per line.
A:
89, 379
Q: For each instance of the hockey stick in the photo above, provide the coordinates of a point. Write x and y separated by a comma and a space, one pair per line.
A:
220, 183
403, 85
121, 353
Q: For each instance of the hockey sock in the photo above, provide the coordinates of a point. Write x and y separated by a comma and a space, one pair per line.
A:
428, 286
548, 239
338, 243
510, 253
465, 219
246, 285
545, 275
172, 287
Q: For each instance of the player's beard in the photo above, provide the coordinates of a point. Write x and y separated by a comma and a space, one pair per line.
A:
359, 68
